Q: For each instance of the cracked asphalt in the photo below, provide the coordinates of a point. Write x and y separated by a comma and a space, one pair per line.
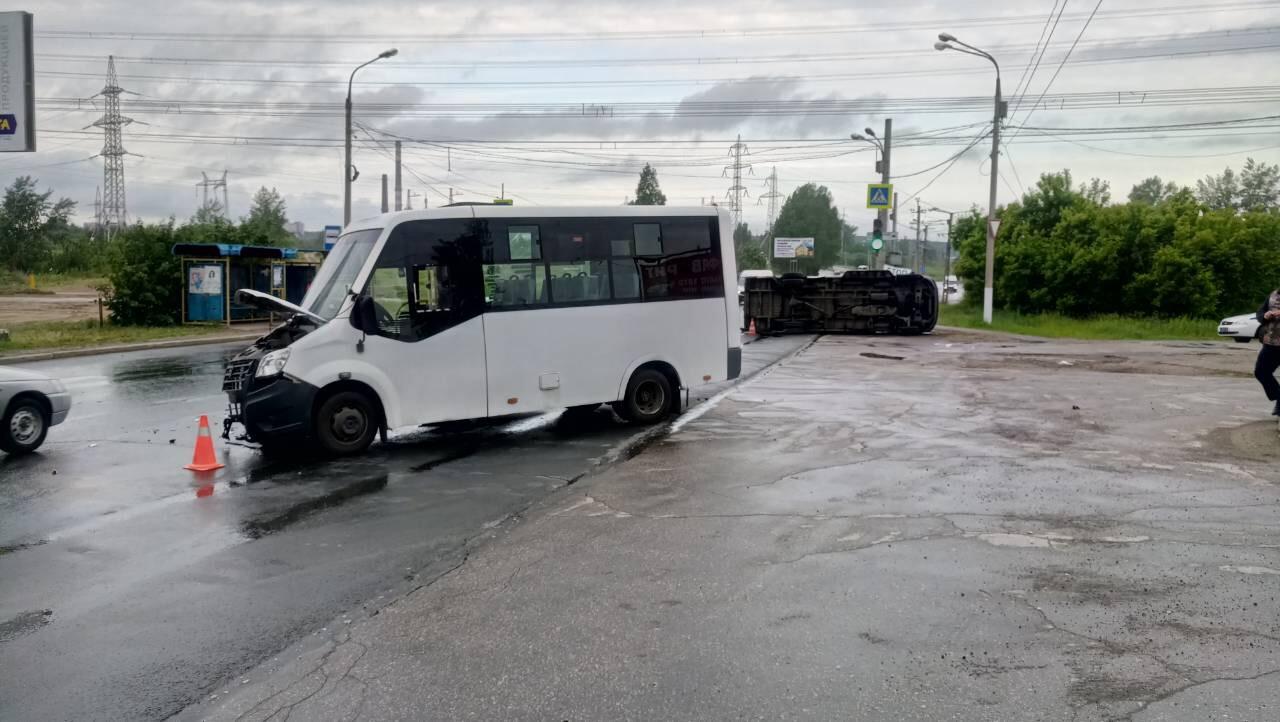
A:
128, 595
950, 527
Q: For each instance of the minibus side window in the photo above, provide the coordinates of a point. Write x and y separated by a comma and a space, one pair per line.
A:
429, 271
514, 274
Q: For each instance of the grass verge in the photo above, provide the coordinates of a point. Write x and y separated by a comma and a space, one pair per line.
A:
44, 335
1111, 327
15, 282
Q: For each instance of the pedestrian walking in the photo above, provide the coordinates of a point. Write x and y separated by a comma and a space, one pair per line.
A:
1269, 355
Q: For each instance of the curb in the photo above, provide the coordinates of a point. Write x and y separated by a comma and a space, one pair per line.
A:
118, 348
1001, 334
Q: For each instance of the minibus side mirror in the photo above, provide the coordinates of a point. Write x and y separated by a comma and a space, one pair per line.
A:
363, 318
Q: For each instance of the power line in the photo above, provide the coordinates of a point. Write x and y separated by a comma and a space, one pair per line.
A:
1030, 77
1065, 58
603, 112
661, 82
581, 36
943, 172
577, 62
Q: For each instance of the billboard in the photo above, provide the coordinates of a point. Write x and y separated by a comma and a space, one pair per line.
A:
17, 84
793, 248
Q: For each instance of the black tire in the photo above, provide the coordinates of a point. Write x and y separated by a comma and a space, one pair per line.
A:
346, 423
649, 398
24, 426
1237, 339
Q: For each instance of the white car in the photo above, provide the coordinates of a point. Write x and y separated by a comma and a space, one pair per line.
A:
30, 404
1243, 328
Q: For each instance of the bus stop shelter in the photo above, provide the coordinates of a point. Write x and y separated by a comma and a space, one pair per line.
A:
213, 272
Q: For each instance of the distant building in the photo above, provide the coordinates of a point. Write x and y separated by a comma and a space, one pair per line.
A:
297, 228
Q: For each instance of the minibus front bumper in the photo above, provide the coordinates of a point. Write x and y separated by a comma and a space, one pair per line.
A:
273, 407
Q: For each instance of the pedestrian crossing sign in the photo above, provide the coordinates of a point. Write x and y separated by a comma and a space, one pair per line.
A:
879, 195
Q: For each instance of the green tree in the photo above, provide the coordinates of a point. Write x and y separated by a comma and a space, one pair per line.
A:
809, 212
211, 214
1097, 191
1259, 187
30, 222
264, 226
1219, 191
1152, 191
648, 193
749, 250
144, 278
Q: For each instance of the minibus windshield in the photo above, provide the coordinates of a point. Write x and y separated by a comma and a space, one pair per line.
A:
339, 271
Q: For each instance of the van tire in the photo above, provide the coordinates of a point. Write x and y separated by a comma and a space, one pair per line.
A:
649, 398
346, 422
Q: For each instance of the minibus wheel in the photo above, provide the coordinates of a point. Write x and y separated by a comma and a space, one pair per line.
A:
346, 422
649, 398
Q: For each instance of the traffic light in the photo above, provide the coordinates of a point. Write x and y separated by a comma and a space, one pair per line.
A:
877, 235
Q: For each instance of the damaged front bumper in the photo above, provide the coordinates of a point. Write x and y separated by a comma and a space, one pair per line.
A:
268, 408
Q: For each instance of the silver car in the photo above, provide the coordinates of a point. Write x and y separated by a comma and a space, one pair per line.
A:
30, 404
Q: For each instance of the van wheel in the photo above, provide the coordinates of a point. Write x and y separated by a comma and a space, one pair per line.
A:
346, 423
23, 427
649, 398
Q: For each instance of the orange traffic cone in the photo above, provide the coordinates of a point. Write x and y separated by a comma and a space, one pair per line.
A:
751, 330
204, 459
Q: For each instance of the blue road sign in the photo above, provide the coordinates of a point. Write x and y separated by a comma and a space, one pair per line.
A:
879, 195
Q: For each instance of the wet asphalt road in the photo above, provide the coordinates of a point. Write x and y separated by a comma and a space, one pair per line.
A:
961, 526
129, 597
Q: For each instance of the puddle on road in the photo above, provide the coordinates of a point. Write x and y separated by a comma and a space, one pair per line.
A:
1015, 540
277, 519
24, 623
1255, 441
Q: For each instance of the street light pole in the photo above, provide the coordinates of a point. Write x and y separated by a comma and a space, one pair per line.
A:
346, 164
885, 146
988, 291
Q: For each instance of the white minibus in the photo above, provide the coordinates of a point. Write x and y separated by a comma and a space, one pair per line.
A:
472, 311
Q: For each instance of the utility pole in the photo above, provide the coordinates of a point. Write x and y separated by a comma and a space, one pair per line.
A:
398, 186
113, 215
384, 193
946, 273
97, 211
915, 254
843, 260
737, 190
893, 216
408, 200
451, 195
885, 152
924, 251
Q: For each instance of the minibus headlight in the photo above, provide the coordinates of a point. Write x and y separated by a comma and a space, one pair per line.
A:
273, 363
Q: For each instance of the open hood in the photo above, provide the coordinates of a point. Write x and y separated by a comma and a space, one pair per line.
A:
267, 302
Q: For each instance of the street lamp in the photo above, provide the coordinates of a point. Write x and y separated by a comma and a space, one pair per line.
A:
347, 168
945, 41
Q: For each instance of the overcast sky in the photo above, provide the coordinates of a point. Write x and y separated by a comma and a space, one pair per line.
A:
475, 74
